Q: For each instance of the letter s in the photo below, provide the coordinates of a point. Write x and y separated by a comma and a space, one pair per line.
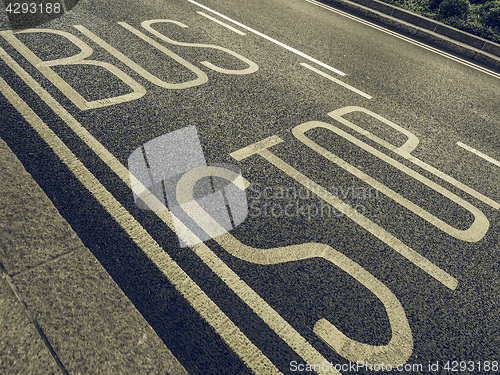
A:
399, 348
252, 67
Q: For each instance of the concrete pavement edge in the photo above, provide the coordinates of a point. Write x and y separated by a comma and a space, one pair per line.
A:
435, 33
60, 311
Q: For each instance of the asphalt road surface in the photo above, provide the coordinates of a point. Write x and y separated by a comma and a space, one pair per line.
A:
372, 234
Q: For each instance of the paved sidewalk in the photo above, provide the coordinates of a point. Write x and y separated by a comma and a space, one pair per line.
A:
60, 311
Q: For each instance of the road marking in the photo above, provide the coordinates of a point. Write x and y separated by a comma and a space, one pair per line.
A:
399, 348
221, 23
405, 150
312, 59
350, 349
200, 79
407, 39
250, 354
79, 59
229, 332
252, 67
261, 148
337, 81
474, 233
479, 153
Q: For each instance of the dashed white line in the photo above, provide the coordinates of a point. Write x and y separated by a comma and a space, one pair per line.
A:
337, 81
221, 23
297, 52
409, 40
479, 153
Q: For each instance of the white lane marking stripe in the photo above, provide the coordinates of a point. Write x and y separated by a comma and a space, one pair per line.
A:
407, 39
337, 81
271, 40
229, 332
221, 23
479, 153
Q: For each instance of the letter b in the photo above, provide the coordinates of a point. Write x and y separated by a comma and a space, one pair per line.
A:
79, 59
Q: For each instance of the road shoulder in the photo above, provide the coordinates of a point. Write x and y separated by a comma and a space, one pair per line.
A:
435, 33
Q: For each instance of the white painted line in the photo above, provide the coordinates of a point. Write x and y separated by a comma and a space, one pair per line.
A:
339, 82
200, 79
406, 149
479, 153
400, 346
407, 39
221, 23
312, 59
474, 233
262, 148
229, 332
45, 67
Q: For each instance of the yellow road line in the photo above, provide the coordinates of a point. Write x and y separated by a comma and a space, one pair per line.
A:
230, 333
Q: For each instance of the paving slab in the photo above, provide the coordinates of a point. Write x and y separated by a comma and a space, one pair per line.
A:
60, 311
21, 346
90, 323
31, 229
